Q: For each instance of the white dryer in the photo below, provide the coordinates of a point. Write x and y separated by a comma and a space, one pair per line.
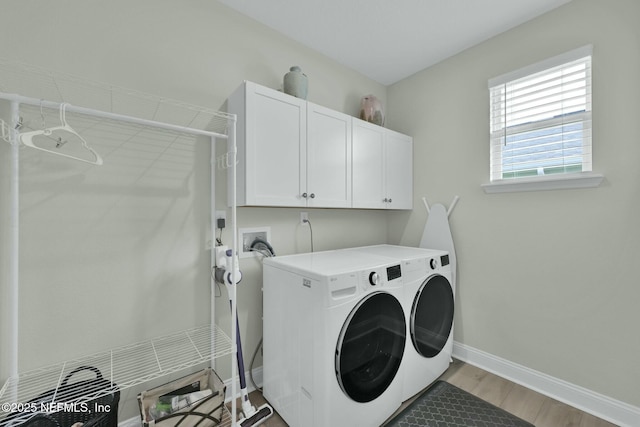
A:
334, 335
428, 302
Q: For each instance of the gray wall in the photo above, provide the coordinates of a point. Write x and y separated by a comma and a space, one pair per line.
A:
547, 279
114, 254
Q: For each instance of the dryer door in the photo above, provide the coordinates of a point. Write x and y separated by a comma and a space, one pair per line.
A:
432, 316
370, 347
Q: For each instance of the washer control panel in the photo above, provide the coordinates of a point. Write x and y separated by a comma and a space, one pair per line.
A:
441, 261
394, 272
381, 276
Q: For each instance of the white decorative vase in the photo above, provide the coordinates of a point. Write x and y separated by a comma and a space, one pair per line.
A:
295, 83
371, 110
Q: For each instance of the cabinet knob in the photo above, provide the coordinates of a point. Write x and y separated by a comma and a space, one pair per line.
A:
304, 195
385, 200
390, 200
313, 196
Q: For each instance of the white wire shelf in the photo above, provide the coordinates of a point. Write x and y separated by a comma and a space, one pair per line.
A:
39, 83
108, 114
124, 367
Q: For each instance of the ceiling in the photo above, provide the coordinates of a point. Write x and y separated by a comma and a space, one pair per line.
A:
388, 40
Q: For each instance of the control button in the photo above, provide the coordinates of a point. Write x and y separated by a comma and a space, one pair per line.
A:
433, 263
374, 278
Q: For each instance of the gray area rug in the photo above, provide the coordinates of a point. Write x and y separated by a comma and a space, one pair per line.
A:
445, 405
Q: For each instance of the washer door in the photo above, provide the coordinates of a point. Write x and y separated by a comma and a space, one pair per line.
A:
370, 347
432, 316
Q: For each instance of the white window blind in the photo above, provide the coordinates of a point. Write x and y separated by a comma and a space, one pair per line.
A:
541, 118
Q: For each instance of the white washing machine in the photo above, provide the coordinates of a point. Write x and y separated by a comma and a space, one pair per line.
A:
334, 335
428, 302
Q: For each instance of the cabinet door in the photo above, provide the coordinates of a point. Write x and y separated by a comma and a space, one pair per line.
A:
368, 165
328, 158
399, 170
275, 148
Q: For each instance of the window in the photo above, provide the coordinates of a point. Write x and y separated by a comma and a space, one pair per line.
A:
540, 119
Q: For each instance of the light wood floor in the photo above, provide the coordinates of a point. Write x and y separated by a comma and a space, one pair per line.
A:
529, 405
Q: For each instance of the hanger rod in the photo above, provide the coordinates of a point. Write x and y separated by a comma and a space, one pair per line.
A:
12, 318
107, 115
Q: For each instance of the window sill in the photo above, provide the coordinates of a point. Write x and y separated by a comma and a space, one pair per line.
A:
557, 182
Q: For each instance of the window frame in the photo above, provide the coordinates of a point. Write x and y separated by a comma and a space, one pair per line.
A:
551, 181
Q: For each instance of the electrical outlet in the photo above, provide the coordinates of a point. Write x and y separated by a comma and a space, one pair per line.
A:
304, 216
246, 236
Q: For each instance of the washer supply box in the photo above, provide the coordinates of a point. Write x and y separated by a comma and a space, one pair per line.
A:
196, 399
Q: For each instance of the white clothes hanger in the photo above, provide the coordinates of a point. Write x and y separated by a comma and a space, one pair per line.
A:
27, 139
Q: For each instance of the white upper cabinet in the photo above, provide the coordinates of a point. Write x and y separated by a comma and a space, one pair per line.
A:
328, 158
382, 167
398, 170
368, 165
271, 136
298, 154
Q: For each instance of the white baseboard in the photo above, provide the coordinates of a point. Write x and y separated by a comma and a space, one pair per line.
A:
601, 406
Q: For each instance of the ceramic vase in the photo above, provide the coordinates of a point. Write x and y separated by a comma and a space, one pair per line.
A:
295, 83
371, 110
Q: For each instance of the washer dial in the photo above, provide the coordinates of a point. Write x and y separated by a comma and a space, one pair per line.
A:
374, 278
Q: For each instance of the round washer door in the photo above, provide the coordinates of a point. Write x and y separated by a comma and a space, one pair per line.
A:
432, 316
370, 347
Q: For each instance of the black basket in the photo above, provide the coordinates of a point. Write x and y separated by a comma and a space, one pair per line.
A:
99, 412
